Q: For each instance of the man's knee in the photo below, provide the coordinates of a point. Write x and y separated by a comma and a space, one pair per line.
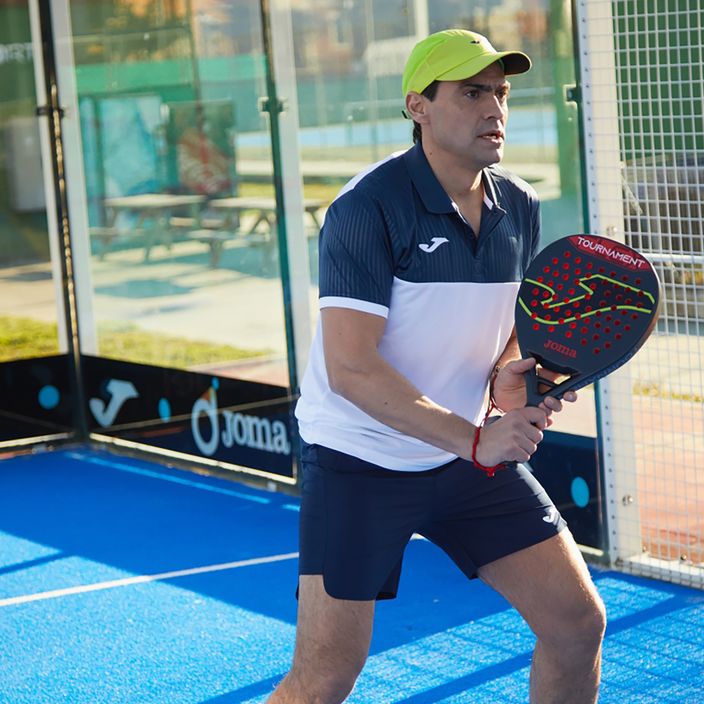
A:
581, 631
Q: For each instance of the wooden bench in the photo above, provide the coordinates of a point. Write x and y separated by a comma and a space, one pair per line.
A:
216, 239
105, 236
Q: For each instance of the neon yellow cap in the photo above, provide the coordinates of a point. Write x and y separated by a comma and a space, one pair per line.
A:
454, 54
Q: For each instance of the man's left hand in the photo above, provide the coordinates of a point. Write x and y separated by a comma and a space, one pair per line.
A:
510, 387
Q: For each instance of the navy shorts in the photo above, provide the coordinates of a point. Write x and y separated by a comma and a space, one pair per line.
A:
357, 518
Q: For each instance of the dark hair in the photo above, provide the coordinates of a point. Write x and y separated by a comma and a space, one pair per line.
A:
430, 92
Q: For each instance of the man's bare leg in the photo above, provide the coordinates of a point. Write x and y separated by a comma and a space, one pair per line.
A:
550, 586
332, 643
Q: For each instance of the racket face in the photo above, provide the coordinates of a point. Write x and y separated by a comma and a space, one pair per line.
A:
585, 306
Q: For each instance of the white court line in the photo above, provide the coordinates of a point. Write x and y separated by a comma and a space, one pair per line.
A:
167, 478
142, 579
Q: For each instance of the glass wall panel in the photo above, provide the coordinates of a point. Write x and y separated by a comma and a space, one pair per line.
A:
180, 200
185, 349
350, 56
35, 384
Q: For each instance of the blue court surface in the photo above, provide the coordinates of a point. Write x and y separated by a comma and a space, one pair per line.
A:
124, 581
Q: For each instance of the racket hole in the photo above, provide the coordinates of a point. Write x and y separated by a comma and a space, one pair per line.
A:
597, 350
568, 334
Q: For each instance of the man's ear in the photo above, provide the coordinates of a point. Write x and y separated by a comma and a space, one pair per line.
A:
415, 107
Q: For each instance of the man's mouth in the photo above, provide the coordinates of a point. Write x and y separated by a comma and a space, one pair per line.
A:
495, 136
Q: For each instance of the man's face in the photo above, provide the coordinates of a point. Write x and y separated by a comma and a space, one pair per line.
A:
467, 119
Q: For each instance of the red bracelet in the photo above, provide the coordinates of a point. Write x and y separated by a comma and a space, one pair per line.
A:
490, 471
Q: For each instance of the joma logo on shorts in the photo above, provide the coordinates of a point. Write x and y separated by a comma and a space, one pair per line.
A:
560, 349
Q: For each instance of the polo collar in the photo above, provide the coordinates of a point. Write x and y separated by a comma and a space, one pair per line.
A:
433, 195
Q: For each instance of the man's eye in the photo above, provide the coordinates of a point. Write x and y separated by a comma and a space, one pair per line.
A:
472, 93
502, 95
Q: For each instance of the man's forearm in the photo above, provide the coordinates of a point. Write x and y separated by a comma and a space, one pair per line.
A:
389, 397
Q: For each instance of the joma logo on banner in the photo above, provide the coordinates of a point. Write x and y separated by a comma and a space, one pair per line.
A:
237, 429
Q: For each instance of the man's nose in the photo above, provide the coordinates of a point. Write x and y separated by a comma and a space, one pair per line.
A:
495, 107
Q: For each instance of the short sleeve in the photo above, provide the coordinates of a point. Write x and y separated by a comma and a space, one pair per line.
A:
356, 268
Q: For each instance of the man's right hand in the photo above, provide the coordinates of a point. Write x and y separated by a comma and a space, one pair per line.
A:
512, 438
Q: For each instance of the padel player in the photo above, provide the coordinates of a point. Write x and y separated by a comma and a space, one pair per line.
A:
420, 261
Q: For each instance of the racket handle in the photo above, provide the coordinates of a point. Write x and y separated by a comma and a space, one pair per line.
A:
533, 394
533, 398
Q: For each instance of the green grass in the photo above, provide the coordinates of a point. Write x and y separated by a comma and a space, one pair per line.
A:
22, 338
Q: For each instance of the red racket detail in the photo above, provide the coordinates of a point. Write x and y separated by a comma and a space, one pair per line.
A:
571, 335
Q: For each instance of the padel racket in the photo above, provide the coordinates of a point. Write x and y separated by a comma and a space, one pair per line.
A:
584, 308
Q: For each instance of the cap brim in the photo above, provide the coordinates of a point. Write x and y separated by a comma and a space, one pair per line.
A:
514, 62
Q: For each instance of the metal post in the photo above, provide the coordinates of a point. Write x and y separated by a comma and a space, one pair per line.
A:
598, 82
53, 112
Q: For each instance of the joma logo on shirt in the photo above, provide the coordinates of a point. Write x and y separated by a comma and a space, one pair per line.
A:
436, 242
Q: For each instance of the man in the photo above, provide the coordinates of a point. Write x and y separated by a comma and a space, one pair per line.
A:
420, 261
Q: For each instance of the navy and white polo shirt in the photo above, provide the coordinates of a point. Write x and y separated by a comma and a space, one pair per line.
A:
395, 245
